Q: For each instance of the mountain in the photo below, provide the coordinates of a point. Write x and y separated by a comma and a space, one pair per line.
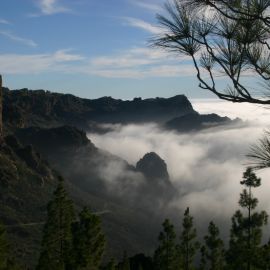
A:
127, 195
25, 108
195, 122
49, 137
153, 167
27, 183
84, 165
158, 181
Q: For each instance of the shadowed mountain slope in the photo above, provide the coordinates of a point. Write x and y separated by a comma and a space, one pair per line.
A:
25, 108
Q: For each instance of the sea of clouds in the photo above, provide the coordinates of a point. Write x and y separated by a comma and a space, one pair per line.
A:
205, 166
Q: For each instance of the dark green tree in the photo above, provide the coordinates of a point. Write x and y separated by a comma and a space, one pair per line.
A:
264, 260
7, 262
166, 257
246, 231
88, 241
111, 265
3, 248
188, 243
214, 248
125, 264
56, 251
203, 258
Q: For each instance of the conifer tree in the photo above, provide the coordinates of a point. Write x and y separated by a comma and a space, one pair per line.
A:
6, 260
264, 260
111, 265
125, 264
165, 257
214, 248
203, 258
246, 231
188, 243
3, 249
89, 241
57, 234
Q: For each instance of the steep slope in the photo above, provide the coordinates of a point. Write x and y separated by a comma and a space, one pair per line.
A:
27, 183
126, 196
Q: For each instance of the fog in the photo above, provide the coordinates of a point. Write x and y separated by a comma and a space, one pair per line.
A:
205, 167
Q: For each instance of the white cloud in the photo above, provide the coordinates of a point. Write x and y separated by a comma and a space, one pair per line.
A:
132, 58
36, 63
157, 71
206, 167
3, 21
246, 111
50, 7
65, 56
148, 6
136, 63
138, 23
25, 41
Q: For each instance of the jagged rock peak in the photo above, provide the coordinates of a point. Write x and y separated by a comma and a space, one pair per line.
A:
153, 167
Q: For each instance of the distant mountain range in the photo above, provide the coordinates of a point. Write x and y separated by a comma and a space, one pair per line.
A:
46, 136
25, 108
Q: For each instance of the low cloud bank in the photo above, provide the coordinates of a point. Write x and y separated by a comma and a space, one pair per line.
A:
205, 167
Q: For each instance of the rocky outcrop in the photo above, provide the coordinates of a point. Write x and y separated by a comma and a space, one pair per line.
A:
158, 184
153, 167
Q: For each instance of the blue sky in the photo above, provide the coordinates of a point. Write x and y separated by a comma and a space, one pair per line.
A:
90, 48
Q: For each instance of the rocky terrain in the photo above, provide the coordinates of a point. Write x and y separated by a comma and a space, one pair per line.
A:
25, 108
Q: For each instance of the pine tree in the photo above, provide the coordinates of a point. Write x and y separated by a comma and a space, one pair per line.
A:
165, 257
264, 260
214, 248
188, 243
57, 234
3, 249
89, 241
246, 232
111, 265
203, 258
6, 260
125, 264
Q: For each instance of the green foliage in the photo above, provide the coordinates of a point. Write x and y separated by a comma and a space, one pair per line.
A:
188, 244
166, 257
214, 248
203, 262
57, 235
246, 231
88, 242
